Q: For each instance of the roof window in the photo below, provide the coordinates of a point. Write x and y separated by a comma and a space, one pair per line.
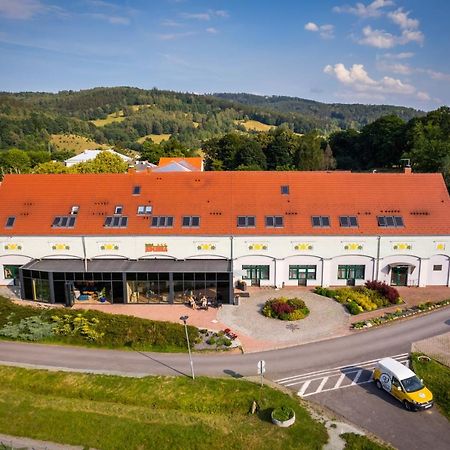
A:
118, 209
10, 222
285, 190
191, 221
390, 221
162, 221
63, 222
116, 222
320, 221
74, 210
144, 209
246, 221
348, 221
136, 190
274, 221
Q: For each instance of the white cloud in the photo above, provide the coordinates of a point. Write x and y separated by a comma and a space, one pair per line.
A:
383, 39
326, 31
114, 20
311, 26
208, 15
373, 9
435, 75
401, 55
212, 30
398, 68
174, 36
377, 38
21, 9
423, 96
401, 18
358, 80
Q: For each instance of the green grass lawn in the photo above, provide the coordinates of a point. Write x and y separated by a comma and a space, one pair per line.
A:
114, 331
358, 442
111, 412
436, 377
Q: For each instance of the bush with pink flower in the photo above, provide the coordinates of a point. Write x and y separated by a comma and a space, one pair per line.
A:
285, 308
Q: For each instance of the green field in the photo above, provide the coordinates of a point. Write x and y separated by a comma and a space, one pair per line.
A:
156, 138
254, 125
436, 377
111, 118
111, 412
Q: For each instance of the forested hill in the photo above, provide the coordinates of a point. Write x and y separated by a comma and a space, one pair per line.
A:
342, 114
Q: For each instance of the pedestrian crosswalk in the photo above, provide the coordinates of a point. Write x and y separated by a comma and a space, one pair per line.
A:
319, 381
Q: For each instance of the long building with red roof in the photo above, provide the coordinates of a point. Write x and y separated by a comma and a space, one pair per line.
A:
154, 237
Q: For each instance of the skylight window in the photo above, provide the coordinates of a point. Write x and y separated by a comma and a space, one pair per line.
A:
118, 209
285, 190
390, 221
348, 221
64, 222
320, 221
144, 209
162, 221
274, 221
191, 221
74, 210
10, 222
246, 221
136, 190
116, 222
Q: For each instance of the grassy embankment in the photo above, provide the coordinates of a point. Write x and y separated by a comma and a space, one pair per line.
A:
114, 331
75, 143
436, 377
358, 442
111, 412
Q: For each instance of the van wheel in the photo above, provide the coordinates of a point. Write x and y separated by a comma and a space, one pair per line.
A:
407, 405
378, 383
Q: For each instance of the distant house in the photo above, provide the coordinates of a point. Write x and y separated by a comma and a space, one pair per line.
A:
194, 164
89, 155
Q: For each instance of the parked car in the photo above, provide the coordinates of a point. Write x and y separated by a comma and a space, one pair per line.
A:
403, 384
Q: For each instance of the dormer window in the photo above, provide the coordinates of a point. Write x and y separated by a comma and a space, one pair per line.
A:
144, 209
10, 222
74, 210
118, 209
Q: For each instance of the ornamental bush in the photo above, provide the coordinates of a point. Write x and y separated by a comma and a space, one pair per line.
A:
386, 291
283, 413
285, 308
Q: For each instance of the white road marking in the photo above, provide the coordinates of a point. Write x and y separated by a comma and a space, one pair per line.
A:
321, 385
362, 375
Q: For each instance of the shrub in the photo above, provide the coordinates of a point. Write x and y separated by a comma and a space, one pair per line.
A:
28, 329
283, 413
386, 291
285, 308
78, 325
354, 308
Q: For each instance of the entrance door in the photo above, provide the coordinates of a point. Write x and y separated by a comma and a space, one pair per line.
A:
399, 276
255, 274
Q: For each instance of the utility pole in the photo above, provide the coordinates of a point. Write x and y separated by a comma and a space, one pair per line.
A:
184, 319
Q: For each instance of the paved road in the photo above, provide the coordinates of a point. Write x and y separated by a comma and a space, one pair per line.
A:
362, 346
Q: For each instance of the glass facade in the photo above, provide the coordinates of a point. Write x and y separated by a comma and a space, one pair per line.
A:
351, 272
302, 272
256, 273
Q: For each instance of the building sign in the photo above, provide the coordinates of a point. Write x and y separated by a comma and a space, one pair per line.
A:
12, 246
108, 246
440, 245
401, 246
352, 246
156, 248
303, 246
206, 246
58, 246
258, 246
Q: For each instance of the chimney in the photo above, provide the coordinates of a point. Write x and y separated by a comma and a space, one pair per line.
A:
408, 170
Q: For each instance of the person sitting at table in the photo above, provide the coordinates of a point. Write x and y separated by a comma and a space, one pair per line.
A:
204, 302
192, 302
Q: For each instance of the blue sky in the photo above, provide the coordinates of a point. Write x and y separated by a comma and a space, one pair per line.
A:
380, 51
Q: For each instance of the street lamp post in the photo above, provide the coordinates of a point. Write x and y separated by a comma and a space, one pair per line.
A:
184, 319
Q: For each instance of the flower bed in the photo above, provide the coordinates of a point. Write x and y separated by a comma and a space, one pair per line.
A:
371, 296
285, 308
399, 314
214, 340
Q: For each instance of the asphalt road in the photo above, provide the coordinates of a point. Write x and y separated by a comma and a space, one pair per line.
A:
361, 346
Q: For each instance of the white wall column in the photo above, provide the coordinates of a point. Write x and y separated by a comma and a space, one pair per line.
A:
326, 272
279, 273
423, 274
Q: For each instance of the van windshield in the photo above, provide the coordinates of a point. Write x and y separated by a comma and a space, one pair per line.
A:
412, 384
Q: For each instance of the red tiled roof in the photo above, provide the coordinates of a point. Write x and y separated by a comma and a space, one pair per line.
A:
219, 197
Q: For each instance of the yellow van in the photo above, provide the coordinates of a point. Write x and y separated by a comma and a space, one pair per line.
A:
403, 384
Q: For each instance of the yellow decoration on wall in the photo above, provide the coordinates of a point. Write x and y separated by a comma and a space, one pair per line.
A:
12, 246
353, 246
440, 246
109, 246
258, 246
206, 246
60, 246
401, 246
303, 246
